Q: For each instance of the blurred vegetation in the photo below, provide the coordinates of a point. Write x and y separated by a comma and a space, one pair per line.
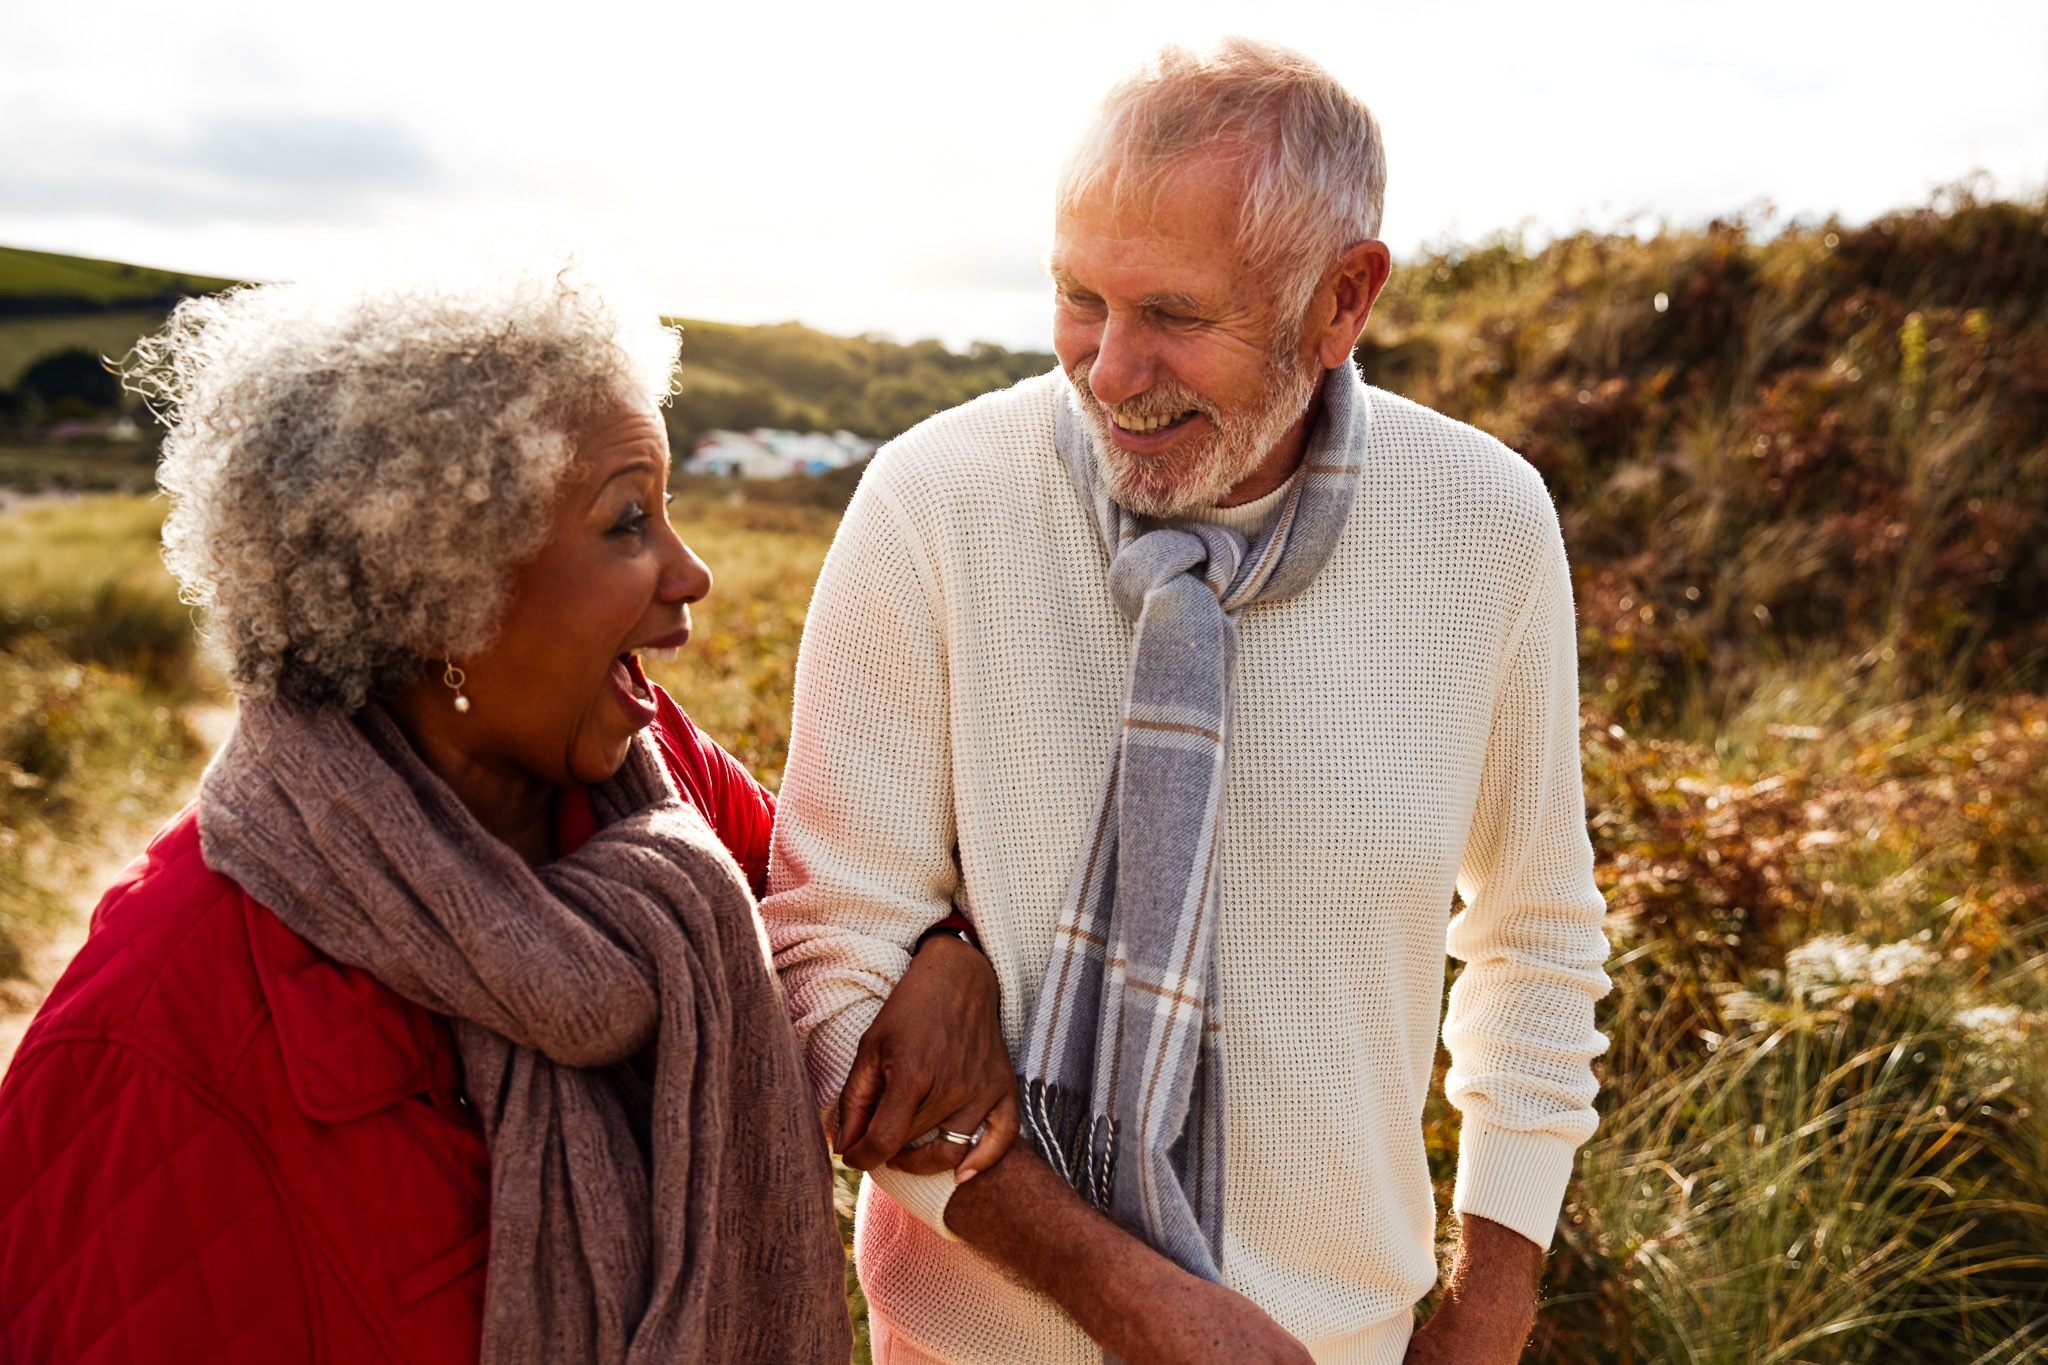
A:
59, 315
98, 660
765, 548
1835, 435
1803, 479
787, 375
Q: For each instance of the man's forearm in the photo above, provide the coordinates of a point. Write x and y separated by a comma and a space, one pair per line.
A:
1129, 1299
1027, 1220
1489, 1301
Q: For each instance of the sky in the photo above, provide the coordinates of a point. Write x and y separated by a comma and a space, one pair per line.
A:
888, 167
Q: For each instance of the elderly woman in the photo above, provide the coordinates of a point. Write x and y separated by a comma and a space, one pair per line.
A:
440, 1026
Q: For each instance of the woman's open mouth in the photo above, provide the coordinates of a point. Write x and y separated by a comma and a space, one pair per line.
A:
636, 694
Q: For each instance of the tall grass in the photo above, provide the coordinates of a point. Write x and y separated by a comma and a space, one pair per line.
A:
736, 675
97, 655
1820, 1139
87, 578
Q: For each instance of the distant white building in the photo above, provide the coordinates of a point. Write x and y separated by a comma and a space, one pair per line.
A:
771, 453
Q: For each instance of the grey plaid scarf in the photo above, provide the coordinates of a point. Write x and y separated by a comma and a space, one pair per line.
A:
1122, 1049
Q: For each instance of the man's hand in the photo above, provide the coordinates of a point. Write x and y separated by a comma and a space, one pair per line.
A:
1489, 1303
934, 1057
1129, 1299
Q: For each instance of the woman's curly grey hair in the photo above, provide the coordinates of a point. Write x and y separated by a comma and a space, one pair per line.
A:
354, 471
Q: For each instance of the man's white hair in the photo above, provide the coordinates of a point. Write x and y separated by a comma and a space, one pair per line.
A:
355, 468
1315, 171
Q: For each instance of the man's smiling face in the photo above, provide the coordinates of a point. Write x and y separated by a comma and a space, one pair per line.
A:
1187, 378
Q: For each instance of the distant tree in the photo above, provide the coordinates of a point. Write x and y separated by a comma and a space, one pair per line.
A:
76, 374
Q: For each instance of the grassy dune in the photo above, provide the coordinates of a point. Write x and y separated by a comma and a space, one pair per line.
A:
1804, 483
97, 659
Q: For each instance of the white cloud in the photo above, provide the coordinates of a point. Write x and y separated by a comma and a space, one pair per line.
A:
890, 167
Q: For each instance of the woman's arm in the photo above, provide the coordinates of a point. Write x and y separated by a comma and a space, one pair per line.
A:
116, 1179
934, 1057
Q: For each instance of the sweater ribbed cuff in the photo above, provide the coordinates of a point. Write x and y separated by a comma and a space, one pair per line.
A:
1515, 1179
924, 1197
830, 1048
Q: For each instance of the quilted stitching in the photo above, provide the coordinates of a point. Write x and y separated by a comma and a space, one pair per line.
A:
351, 1047
201, 1198
168, 1193
218, 1145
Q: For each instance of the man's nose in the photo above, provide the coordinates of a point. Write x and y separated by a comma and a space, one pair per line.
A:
1123, 366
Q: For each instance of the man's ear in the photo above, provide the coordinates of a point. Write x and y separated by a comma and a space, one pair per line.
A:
1361, 273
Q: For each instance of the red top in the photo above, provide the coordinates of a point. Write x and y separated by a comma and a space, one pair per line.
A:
738, 809
218, 1144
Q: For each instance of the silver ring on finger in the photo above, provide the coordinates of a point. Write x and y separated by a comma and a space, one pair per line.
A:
964, 1139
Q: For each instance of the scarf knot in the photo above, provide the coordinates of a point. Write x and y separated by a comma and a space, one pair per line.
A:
1150, 560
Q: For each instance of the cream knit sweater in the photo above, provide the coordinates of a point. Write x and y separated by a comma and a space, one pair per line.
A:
1406, 726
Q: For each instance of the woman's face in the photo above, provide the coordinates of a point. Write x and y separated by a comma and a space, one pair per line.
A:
558, 694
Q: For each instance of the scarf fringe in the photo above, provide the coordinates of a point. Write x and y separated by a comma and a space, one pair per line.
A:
1079, 1146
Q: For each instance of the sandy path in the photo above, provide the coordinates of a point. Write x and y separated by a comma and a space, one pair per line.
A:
48, 958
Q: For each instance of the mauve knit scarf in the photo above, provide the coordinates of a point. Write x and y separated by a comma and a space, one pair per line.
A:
693, 1223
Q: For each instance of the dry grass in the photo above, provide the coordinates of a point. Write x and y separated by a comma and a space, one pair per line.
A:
97, 656
735, 676
1807, 504
1819, 1139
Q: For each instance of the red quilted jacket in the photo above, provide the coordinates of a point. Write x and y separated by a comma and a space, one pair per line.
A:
217, 1144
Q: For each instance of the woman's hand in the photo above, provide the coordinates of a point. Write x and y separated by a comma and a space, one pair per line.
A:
933, 1057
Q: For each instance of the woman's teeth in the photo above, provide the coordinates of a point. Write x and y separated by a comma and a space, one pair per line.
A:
662, 656
1141, 425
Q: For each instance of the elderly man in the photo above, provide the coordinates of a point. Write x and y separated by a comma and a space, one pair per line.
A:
1198, 677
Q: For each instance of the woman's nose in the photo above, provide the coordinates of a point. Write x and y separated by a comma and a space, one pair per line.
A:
685, 578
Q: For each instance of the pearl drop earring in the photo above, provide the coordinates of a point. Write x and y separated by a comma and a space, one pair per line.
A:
455, 678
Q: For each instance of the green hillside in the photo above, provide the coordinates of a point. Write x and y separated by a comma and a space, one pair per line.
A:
782, 375
43, 282
25, 340
787, 375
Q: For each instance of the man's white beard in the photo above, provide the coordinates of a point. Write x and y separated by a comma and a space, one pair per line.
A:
1190, 481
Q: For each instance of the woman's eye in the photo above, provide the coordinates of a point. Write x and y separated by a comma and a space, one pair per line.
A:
631, 520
